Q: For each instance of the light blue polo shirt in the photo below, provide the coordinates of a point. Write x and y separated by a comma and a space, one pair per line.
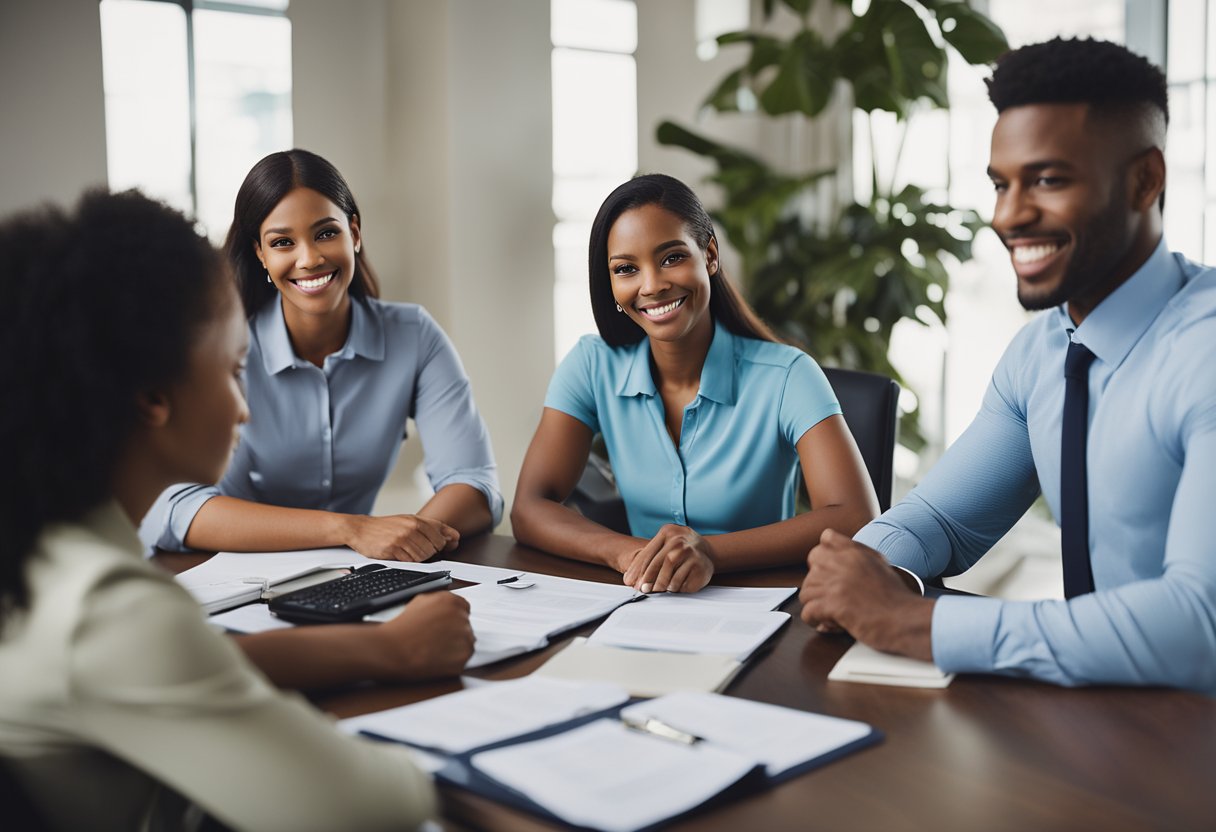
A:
737, 464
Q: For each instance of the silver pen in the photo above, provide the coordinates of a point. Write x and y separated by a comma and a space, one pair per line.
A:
658, 728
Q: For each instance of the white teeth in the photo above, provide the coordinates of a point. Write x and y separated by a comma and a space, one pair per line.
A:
316, 282
660, 311
1031, 254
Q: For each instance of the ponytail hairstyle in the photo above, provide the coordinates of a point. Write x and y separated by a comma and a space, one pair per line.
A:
264, 187
726, 304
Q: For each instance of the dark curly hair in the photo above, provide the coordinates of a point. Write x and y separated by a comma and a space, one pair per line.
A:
267, 182
726, 304
101, 305
1105, 75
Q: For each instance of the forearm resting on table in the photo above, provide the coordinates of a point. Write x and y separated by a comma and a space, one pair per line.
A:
783, 543
548, 525
231, 525
310, 658
460, 506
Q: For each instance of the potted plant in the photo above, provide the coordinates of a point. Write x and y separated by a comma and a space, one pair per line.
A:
838, 283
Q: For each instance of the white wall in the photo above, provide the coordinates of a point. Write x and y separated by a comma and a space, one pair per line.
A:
438, 113
52, 113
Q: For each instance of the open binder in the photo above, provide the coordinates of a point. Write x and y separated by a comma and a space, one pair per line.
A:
707, 773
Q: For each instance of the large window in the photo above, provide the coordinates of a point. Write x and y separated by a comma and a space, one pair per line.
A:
595, 140
195, 92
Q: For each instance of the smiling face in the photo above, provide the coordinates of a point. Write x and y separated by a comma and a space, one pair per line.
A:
1064, 204
307, 246
660, 277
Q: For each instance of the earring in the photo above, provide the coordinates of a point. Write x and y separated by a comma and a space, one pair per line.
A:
268, 280
358, 248
618, 308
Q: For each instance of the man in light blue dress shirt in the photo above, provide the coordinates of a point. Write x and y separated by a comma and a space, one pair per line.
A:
1079, 173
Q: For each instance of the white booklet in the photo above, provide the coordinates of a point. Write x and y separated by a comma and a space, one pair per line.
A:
230, 579
865, 664
641, 672
719, 629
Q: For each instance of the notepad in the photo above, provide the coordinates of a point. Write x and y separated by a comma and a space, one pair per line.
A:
641, 672
710, 628
864, 664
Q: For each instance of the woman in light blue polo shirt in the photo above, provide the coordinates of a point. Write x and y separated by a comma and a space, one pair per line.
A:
708, 420
333, 374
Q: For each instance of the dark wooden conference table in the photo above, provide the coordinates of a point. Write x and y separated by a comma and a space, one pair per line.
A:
983, 754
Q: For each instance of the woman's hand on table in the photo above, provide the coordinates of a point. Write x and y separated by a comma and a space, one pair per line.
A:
677, 559
430, 639
404, 537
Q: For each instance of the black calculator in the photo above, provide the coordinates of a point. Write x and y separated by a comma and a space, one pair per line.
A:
365, 590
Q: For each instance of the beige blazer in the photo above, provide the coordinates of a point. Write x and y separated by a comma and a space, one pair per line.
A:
119, 708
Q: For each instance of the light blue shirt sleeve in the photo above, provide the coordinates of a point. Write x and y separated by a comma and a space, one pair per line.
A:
326, 438
941, 528
455, 440
1157, 628
571, 390
806, 400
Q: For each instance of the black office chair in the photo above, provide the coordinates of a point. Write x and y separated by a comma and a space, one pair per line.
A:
869, 403
19, 811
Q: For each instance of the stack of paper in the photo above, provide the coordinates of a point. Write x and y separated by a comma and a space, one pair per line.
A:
508, 621
864, 664
667, 623
641, 672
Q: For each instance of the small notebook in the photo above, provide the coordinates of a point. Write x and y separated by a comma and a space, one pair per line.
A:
864, 664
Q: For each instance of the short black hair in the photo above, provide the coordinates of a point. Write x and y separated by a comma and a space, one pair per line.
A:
1105, 75
100, 305
726, 303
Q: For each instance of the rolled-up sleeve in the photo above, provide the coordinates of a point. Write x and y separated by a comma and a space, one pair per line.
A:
455, 440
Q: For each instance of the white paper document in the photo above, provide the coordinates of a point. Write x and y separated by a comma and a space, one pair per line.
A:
251, 618
864, 664
230, 579
709, 628
641, 672
606, 776
780, 738
754, 598
469, 719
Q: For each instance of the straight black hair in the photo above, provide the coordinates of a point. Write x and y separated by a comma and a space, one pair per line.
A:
726, 304
267, 182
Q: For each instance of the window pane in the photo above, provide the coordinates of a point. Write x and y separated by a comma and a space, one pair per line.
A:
243, 94
571, 301
1186, 33
277, 5
147, 99
609, 25
595, 114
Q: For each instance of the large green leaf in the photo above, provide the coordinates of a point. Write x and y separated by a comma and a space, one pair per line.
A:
976, 38
891, 59
804, 77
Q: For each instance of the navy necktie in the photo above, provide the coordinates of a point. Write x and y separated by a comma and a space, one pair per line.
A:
1074, 489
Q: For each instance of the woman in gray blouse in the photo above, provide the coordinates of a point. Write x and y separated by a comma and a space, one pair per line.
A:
333, 375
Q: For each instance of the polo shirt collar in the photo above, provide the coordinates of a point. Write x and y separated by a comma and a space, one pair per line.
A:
1117, 323
366, 336
717, 376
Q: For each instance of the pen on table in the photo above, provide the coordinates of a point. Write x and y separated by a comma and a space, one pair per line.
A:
658, 728
509, 580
